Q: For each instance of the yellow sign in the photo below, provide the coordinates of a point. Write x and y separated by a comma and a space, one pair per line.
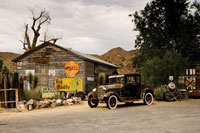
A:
68, 84
190, 83
71, 69
48, 93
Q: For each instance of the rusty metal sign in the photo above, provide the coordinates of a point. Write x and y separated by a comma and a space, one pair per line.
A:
71, 69
190, 83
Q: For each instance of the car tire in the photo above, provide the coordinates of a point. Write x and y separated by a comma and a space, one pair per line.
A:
148, 98
81, 95
92, 102
111, 102
169, 97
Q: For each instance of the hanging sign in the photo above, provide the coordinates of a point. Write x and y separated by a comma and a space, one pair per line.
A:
19, 65
71, 69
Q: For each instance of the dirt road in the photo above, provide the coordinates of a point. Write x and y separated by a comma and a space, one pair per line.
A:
173, 117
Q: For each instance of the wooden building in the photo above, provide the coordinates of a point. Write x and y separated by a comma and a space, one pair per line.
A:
50, 62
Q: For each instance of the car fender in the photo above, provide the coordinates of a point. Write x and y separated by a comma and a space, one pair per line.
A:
93, 94
144, 91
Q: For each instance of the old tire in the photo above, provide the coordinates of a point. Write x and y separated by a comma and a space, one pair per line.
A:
111, 102
81, 95
93, 103
148, 98
169, 96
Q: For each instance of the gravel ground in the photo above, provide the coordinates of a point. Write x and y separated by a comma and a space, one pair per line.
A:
161, 117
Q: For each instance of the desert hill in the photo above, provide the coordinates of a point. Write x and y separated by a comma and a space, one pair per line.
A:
120, 57
7, 59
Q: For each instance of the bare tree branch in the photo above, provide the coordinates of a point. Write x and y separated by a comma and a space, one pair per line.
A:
42, 18
27, 37
37, 22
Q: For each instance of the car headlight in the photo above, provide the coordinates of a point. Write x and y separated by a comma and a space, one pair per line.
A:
94, 90
104, 89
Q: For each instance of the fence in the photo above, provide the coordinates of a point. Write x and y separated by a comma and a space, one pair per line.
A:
8, 98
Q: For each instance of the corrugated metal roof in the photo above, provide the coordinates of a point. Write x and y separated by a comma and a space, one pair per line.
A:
89, 57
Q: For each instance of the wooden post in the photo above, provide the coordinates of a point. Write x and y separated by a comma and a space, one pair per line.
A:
16, 96
5, 98
5, 93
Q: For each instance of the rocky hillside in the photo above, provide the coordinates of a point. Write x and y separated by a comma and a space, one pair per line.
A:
7, 59
120, 57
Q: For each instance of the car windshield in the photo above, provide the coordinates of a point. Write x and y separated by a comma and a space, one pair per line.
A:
116, 80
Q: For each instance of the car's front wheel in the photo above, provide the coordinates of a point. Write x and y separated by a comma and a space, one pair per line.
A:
93, 103
111, 102
148, 98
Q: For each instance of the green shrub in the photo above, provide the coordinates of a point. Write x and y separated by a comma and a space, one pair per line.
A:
159, 92
59, 95
32, 94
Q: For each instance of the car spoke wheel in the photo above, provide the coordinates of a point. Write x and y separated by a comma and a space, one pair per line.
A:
148, 98
92, 102
111, 102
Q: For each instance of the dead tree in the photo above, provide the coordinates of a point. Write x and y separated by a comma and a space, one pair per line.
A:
38, 21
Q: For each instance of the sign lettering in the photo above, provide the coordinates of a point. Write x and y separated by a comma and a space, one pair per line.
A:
71, 69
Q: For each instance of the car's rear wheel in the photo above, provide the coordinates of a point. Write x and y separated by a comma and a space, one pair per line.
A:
148, 98
111, 102
93, 103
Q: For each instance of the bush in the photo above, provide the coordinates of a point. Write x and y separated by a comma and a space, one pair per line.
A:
156, 71
159, 92
59, 95
32, 94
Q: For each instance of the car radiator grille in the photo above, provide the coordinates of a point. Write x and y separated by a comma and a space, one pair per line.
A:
100, 92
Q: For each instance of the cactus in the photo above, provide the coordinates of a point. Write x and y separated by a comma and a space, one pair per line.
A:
35, 81
5, 70
101, 78
30, 79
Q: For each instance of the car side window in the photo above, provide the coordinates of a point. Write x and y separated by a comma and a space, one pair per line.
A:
131, 79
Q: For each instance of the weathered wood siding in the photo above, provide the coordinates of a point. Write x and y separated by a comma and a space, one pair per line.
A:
41, 61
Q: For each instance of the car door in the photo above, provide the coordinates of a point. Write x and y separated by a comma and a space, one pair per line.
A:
132, 85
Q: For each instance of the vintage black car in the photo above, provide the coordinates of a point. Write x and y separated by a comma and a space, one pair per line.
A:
123, 88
